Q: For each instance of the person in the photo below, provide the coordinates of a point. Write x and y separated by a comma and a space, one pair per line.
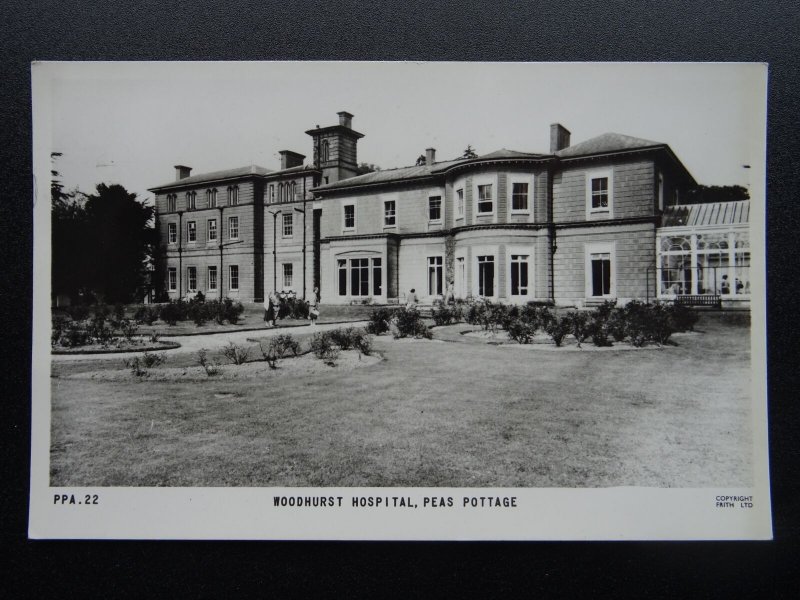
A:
725, 286
411, 299
269, 309
313, 307
738, 286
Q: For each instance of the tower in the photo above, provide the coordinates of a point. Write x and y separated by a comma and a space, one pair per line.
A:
335, 149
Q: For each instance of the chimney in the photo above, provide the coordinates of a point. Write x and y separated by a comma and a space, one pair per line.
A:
430, 156
559, 137
182, 172
291, 159
345, 119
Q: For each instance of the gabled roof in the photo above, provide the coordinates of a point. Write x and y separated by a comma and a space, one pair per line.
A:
606, 143
215, 176
707, 215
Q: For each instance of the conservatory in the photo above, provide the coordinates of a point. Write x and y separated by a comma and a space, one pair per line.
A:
704, 250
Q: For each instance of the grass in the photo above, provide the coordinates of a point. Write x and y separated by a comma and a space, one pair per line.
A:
430, 414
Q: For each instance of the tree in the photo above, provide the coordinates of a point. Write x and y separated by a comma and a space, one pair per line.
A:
364, 168
421, 160
714, 193
469, 152
120, 241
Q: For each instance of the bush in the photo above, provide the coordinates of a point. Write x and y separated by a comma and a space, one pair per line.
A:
408, 323
323, 348
445, 315
521, 330
231, 311
295, 308
616, 324
362, 342
558, 328
174, 311
128, 328
660, 323
137, 367
119, 311
351, 338
198, 312
154, 337
279, 346
636, 322
75, 335
151, 359
209, 367
235, 353
146, 315
342, 338
79, 312
379, 320
683, 317
579, 326
598, 329
98, 330
60, 325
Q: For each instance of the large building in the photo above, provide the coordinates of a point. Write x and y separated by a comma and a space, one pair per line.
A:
577, 225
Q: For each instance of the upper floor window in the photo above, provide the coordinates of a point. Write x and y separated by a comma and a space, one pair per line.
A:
211, 232
599, 192
172, 201
272, 193
233, 195
172, 233
349, 216
519, 197
660, 191
485, 200
233, 228
191, 231
288, 225
435, 209
292, 191
389, 213
460, 203
191, 200
324, 151
211, 198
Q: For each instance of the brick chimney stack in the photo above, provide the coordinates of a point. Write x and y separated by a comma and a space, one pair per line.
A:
559, 137
291, 159
182, 172
430, 156
345, 119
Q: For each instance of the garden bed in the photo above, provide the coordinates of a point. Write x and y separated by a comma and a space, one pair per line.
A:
543, 341
117, 347
306, 364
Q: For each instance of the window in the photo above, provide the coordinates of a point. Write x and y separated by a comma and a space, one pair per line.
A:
599, 193
172, 233
172, 279
325, 151
349, 216
172, 201
191, 231
485, 203
233, 195
288, 225
660, 191
601, 274
233, 228
519, 197
191, 200
389, 215
435, 209
359, 277
272, 193
435, 264
291, 191
233, 277
460, 203
377, 279
341, 266
211, 230
287, 275
486, 275
519, 274
191, 276
461, 277
599, 186
211, 198
212, 279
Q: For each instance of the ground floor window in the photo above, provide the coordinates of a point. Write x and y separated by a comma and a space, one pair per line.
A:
461, 277
519, 274
233, 277
486, 275
435, 275
172, 279
191, 276
212, 278
601, 274
357, 272
287, 275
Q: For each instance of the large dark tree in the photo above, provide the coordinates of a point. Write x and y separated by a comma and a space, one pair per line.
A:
714, 193
469, 152
121, 238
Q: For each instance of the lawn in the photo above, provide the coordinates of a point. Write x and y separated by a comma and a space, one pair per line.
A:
431, 413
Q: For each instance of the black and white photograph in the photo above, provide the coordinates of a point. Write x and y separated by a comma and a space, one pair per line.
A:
343, 300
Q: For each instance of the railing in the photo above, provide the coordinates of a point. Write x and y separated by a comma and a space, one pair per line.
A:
727, 282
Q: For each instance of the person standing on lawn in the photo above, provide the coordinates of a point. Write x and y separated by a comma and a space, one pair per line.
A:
313, 307
411, 299
270, 309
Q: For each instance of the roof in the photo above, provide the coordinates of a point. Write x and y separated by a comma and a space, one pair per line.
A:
707, 215
418, 171
607, 142
231, 174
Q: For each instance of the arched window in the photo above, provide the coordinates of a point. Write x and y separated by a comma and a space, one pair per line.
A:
272, 193
324, 151
291, 192
171, 202
211, 198
233, 195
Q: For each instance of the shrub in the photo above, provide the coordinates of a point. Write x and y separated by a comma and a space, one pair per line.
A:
616, 324
119, 311
342, 338
198, 312
101, 333
75, 335
209, 367
323, 348
558, 328
128, 328
521, 331
60, 325
636, 322
362, 342
152, 359
137, 367
173, 311
102, 310
146, 315
279, 346
296, 308
235, 353
579, 326
660, 324
379, 320
231, 311
154, 337
598, 329
408, 323
683, 317
543, 315
79, 312
473, 314
444, 315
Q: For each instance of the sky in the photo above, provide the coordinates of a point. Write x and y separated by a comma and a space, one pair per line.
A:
130, 123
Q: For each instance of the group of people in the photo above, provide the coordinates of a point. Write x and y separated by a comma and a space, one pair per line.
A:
276, 306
